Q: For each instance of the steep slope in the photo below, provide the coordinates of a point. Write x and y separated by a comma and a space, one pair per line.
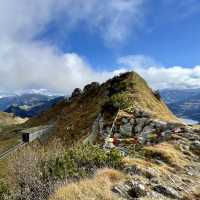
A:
8, 122
76, 117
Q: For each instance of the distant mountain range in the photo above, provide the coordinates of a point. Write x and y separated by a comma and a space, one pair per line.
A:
184, 103
28, 105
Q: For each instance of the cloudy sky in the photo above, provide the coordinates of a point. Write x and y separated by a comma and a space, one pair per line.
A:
62, 44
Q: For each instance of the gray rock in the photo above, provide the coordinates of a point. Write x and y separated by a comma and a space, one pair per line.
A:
149, 173
126, 130
146, 114
140, 123
120, 190
137, 113
146, 136
160, 124
167, 191
132, 121
137, 190
195, 146
138, 128
133, 170
125, 120
130, 190
148, 129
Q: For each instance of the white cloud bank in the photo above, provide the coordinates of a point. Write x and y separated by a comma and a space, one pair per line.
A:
161, 77
26, 63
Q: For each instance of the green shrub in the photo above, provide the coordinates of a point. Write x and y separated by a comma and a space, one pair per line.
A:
121, 100
36, 172
81, 161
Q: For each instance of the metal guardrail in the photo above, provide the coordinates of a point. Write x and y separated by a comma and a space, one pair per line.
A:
8, 152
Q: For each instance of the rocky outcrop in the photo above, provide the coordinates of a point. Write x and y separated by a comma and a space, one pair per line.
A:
167, 191
76, 93
90, 87
130, 190
141, 126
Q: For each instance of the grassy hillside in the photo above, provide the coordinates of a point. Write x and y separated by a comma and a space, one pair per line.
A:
8, 123
74, 117
7, 119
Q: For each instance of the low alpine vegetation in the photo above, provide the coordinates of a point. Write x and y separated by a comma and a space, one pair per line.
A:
35, 173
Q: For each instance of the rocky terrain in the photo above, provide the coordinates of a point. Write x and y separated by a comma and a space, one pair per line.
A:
166, 163
134, 147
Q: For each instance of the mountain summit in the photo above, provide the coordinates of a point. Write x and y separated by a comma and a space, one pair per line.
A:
75, 117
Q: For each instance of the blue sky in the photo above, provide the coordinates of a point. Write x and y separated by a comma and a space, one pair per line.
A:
63, 44
168, 31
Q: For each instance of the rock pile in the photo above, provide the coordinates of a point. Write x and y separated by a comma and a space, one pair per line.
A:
141, 127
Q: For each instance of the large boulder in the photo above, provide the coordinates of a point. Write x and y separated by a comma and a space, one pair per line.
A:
126, 130
140, 123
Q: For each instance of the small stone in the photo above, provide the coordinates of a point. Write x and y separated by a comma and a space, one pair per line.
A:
137, 190
121, 190
167, 191
138, 128
125, 120
195, 146
132, 121
126, 130
160, 124
133, 170
146, 114
149, 173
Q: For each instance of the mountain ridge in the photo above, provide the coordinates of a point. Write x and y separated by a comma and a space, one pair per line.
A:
74, 117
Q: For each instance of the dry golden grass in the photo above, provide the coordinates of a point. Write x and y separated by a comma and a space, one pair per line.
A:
4, 168
167, 153
144, 164
7, 143
7, 119
97, 188
194, 195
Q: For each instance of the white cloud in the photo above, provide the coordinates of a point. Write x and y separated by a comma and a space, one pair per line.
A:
139, 61
113, 19
26, 63
38, 66
162, 77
